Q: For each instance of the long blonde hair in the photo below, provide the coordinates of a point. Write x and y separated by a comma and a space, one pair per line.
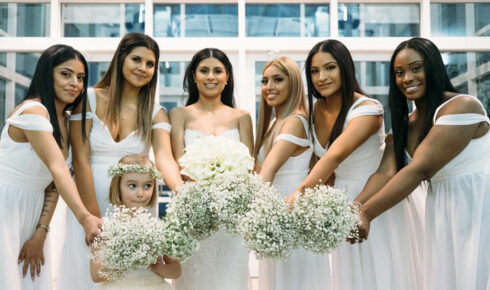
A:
113, 80
296, 102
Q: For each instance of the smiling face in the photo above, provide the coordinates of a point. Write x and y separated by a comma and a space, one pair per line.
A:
325, 74
210, 77
275, 86
410, 74
136, 189
139, 66
68, 80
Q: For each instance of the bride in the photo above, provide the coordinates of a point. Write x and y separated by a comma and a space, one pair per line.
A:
221, 261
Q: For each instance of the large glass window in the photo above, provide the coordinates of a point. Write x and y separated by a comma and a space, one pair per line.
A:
206, 20
3, 58
273, 20
171, 79
317, 20
201, 20
483, 87
102, 20
25, 63
166, 20
3, 84
460, 19
379, 20
20, 93
96, 71
24, 19
456, 63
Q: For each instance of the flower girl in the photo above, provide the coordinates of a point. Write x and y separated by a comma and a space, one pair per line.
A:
133, 186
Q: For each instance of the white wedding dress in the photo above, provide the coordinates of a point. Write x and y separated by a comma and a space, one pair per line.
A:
457, 220
221, 261
74, 272
23, 179
140, 279
387, 260
303, 269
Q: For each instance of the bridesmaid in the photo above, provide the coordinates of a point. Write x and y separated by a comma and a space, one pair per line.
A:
350, 125
221, 261
445, 141
34, 154
122, 119
283, 151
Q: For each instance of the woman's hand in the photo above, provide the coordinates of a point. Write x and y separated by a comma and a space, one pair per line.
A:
291, 198
92, 226
32, 253
363, 227
167, 267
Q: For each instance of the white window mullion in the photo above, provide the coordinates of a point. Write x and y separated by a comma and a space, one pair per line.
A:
149, 18
182, 20
334, 19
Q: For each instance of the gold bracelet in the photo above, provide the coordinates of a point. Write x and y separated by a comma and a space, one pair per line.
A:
44, 227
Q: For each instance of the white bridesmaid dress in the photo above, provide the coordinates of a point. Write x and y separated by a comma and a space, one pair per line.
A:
23, 179
221, 261
387, 260
303, 269
74, 272
457, 245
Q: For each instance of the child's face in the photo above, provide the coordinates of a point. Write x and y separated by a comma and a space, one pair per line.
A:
136, 189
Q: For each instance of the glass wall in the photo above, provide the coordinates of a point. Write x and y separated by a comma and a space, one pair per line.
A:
102, 20
273, 20
460, 19
25, 63
96, 72
3, 93
201, 20
24, 19
171, 84
379, 20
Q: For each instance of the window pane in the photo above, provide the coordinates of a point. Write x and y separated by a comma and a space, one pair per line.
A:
25, 63
482, 58
171, 74
20, 93
272, 20
3, 84
24, 19
482, 19
448, 19
317, 20
462, 88
102, 20
205, 20
456, 63
379, 20
483, 86
3, 58
96, 71
377, 73
166, 19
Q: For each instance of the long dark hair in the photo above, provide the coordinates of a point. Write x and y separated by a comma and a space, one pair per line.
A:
42, 84
191, 87
113, 80
436, 82
348, 78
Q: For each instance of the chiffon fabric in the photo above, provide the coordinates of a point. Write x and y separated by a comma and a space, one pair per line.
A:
23, 179
141, 279
303, 269
388, 259
74, 272
221, 261
457, 245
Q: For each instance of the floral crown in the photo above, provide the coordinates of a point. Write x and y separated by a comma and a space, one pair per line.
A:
121, 168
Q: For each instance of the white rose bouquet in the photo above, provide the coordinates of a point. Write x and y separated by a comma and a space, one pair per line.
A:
131, 238
190, 210
269, 228
232, 196
210, 156
324, 218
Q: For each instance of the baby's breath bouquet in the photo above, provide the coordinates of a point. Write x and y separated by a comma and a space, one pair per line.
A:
177, 243
324, 218
268, 228
211, 155
190, 210
232, 196
131, 238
